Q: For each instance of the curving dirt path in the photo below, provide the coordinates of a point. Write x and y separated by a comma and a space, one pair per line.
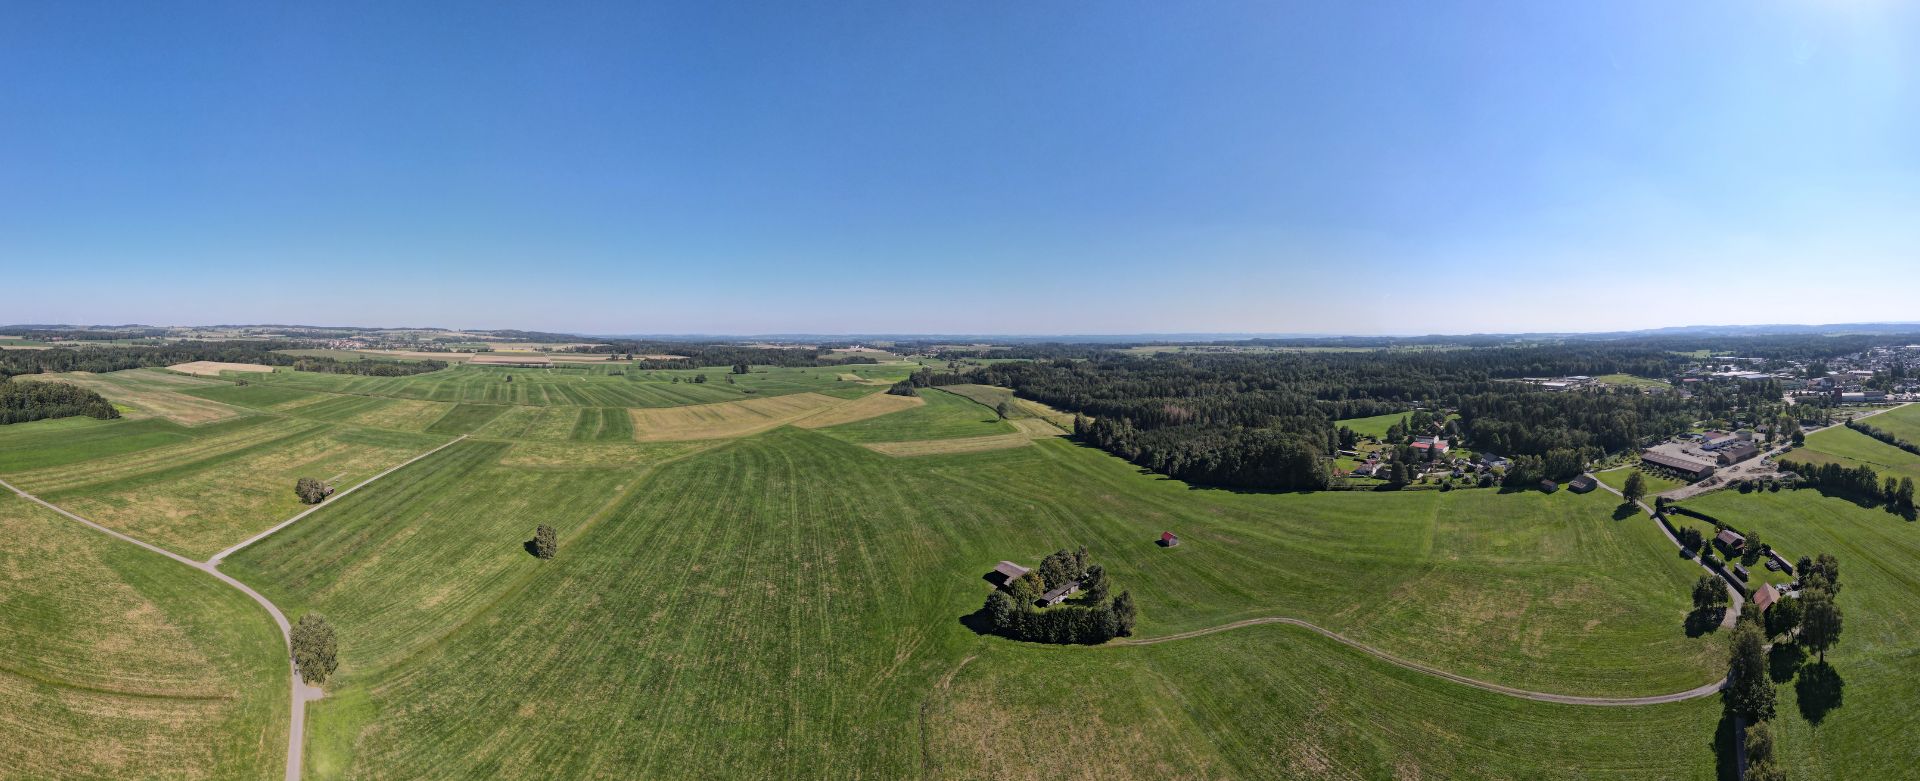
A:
1565, 699
301, 692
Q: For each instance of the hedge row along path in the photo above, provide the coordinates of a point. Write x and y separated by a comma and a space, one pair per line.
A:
1733, 613
301, 693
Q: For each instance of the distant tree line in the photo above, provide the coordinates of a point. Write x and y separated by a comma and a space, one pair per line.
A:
1267, 420
81, 335
698, 354
113, 358
38, 400
1089, 617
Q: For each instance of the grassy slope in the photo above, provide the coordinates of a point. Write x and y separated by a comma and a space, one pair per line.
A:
792, 562
1655, 483
1842, 445
203, 488
1903, 423
943, 416
576, 386
1375, 426
118, 663
1878, 660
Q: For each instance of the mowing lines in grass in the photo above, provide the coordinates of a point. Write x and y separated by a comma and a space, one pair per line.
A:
119, 663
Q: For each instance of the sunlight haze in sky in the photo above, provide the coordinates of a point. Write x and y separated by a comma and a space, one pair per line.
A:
962, 167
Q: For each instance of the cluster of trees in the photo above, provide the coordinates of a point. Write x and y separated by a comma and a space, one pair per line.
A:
1860, 483
112, 358
545, 541
369, 368
902, 388
1709, 592
24, 401
315, 649
309, 490
1088, 618
1811, 620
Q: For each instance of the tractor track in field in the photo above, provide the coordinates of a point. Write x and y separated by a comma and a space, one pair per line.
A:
1564, 699
301, 692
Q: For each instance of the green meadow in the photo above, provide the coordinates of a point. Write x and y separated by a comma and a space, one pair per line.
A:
694, 578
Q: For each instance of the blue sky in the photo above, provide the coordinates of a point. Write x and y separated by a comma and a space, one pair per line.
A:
970, 167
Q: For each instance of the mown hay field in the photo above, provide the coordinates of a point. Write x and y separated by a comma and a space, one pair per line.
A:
120, 663
1849, 448
143, 393
729, 419
195, 496
586, 385
691, 585
214, 368
943, 415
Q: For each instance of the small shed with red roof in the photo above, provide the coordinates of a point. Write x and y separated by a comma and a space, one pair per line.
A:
1169, 539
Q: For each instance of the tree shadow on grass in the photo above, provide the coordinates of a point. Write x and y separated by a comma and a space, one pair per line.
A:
1819, 691
532, 549
1723, 761
1700, 622
1785, 660
1624, 511
978, 622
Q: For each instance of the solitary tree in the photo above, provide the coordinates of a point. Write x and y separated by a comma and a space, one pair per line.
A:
314, 648
545, 541
1749, 691
1819, 621
1004, 409
1784, 616
310, 490
1636, 487
1708, 593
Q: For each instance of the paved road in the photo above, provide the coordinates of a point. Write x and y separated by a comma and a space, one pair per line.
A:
301, 693
1565, 699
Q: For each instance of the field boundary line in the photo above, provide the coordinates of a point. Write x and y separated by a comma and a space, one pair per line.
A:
301, 693
1564, 699
218, 557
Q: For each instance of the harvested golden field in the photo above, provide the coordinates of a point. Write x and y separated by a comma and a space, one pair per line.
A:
214, 368
726, 419
150, 393
1030, 430
403, 414
869, 406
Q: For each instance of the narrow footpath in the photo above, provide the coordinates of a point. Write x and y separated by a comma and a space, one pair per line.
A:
301, 693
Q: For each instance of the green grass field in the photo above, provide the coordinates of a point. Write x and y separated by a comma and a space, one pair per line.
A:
1628, 379
943, 416
195, 491
581, 386
695, 577
1878, 659
1655, 483
1844, 446
1902, 422
118, 663
788, 603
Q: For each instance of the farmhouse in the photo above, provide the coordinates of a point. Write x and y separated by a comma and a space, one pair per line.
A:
1736, 453
1060, 594
1583, 484
1731, 540
1765, 596
1685, 466
1430, 445
1006, 572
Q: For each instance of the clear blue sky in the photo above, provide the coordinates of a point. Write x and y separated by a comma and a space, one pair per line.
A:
983, 167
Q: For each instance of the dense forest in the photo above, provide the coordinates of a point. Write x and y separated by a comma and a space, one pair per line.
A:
110, 358
21, 401
1266, 420
699, 354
